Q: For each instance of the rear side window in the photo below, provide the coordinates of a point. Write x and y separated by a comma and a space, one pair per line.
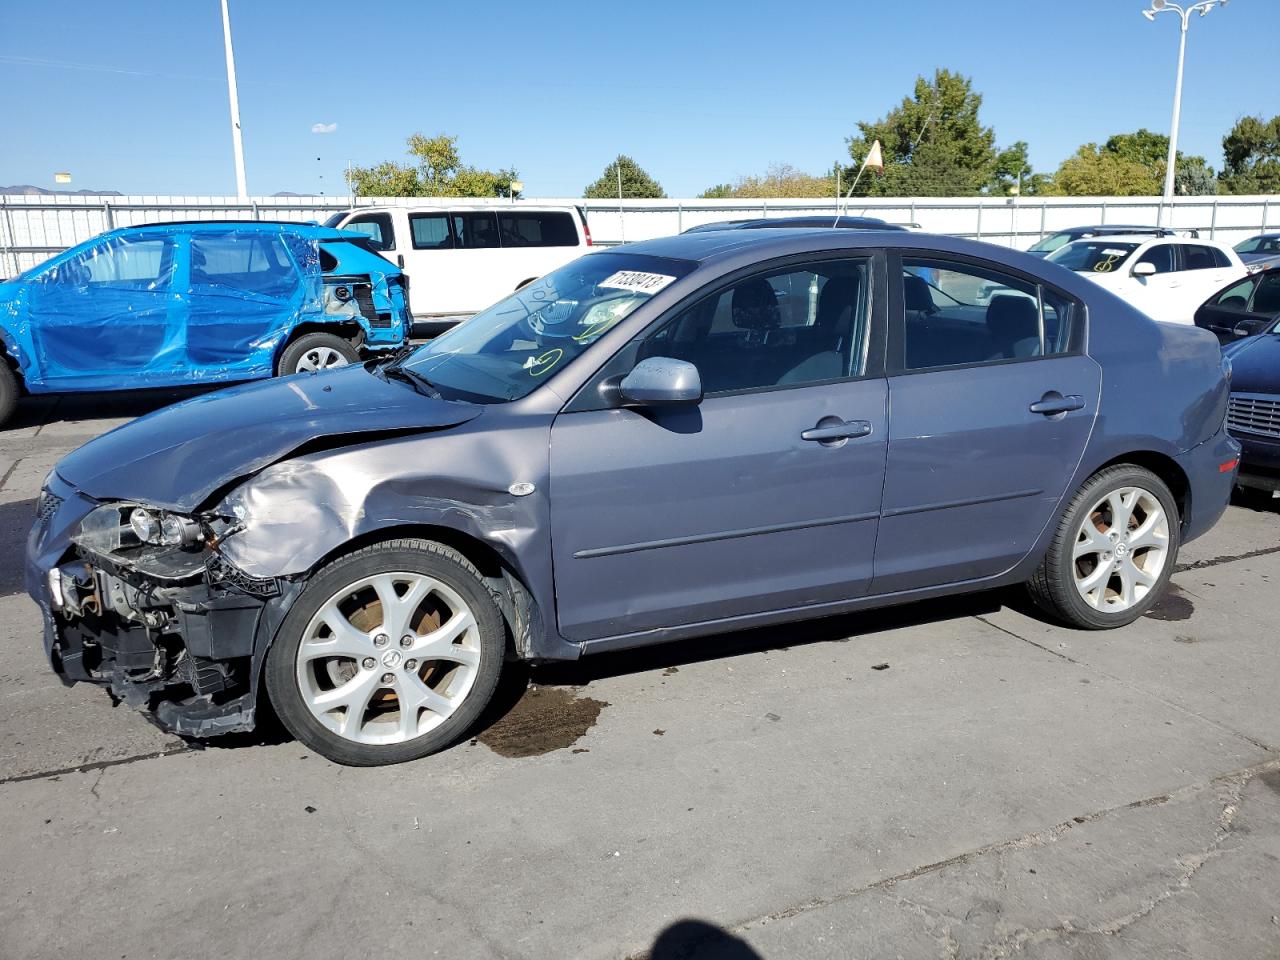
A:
533, 229
1237, 297
375, 226
961, 314
476, 231
430, 231
1160, 256
250, 262
1196, 257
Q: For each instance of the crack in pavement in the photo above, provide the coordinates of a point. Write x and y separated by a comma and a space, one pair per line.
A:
9, 473
1236, 781
101, 764
1261, 745
1217, 561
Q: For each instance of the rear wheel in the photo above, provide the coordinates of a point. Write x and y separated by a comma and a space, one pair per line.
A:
8, 392
316, 351
1113, 553
389, 654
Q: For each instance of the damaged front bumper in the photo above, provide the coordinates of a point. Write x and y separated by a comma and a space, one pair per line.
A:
175, 632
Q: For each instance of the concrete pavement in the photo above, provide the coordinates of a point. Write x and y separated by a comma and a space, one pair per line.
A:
1002, 787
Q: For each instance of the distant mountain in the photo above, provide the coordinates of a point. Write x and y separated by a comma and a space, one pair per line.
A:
29, 190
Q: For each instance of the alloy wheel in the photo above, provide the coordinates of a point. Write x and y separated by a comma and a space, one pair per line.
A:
321, 358
388, 658
1121, 549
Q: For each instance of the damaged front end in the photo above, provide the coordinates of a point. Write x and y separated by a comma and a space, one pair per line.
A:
143, 603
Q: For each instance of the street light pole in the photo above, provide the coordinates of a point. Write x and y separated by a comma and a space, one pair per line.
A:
242, 189
1163, 6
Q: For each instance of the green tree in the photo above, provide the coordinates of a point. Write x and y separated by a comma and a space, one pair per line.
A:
1094, 171
1192, 175
1013, 168
635, 182
439, 173
934, 144
780, 180
1251, 152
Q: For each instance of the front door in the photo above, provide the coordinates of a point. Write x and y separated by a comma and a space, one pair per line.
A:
107, 316
766, 496
991, 404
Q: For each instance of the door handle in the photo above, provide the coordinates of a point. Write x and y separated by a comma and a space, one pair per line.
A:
1053, 403
400, 260
834, 431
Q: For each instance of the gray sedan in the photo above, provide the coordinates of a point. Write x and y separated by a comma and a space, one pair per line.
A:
652, 444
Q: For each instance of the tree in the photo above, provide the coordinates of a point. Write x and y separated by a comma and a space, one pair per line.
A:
780, 180
1252, 156
1192, 175
1013, 168
439, 173
1093, 171
635, 182
934, 144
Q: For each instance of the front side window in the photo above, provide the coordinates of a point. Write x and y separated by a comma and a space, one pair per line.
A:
249, 262
375, 226
1093, 256
803, 324
142, 263
504, 352
430, 231
537, 229
960, 314
1051, 243
1160, 256
1267, 299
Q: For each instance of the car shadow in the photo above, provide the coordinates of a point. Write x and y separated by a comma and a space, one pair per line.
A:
698, 940
40, 411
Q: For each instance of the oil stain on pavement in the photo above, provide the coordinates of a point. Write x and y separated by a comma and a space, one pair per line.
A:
1173, 606
544, 719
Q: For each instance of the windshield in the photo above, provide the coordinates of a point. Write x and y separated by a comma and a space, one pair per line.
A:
506, 351
1051, 243
1259, 245
1092, 256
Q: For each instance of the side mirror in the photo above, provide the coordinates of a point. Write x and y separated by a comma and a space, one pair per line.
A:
1144, 270
661, 382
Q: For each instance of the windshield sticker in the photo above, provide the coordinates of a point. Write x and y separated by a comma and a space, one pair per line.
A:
636, 281
537, 366
1114, 253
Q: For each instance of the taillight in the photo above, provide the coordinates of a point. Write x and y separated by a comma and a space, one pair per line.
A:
586, 232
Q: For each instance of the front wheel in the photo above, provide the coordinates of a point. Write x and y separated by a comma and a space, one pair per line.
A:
1113, 553
389, 654
8, 392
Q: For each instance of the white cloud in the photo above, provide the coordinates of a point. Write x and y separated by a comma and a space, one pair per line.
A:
324, 127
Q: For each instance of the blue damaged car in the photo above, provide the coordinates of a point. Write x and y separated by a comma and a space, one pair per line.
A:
191, 303
651, 444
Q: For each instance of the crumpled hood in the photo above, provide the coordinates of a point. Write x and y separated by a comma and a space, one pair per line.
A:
176, 457
1255, 364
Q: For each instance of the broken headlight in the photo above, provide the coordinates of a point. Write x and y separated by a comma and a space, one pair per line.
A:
166, 529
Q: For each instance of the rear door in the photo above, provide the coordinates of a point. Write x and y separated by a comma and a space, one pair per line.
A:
991, 404
1205, 270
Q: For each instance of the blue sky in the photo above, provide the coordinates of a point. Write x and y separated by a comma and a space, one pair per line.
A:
130, 95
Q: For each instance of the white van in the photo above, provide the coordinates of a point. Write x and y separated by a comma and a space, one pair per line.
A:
460, 259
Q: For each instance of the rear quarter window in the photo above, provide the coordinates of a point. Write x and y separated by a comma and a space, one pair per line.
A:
537, 229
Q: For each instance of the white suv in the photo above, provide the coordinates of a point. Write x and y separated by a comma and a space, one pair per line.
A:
460, 259
1165, 277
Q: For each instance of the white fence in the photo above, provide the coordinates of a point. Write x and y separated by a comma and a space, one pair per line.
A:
33, 228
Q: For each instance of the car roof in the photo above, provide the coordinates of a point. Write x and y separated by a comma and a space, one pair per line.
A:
311, 231
1129, 238
443, 207
708, 246
1113, 228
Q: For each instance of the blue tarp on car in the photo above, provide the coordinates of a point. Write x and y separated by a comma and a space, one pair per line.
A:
191, 303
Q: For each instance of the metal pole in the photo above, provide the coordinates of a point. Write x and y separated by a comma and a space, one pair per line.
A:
1213, 220
237, 143
622, 223
1173, 130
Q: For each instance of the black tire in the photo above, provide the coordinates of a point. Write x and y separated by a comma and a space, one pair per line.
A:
295, 353
1053, 586
8, 392
393, 556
